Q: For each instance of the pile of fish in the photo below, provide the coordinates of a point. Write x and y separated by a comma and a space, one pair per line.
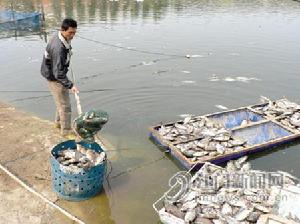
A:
210, 147
188, 129
219, 195
80, 158
283, 110
202, 138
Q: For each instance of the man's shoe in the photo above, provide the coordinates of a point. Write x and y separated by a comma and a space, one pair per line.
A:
69, 136
57, 125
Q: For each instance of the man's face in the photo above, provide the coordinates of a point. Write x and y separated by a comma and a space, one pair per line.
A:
69, 33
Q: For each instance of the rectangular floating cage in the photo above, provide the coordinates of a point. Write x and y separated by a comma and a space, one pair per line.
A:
260, 133
234, 118
10, 19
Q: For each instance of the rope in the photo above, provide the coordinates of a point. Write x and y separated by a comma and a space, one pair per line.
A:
78, 104
47, 91
29, 98
63, 211
137, 167
130, 49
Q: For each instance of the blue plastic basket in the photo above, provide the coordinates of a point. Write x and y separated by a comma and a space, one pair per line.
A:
76, 186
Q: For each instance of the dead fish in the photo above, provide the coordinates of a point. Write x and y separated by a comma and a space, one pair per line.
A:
163, 130
209, 213
90, 154
222, 137
190, 130
242, 215
246, 167
100, 158
174, 210
203, 143
211, 146
220, 149
83, 159
187, 119
201, 220
221, 107
65, 163
213, 153
168, 218
188, 153
248, 192
200, 154
261, 208
209, 132
244, 123
238, 203
253, 217
226, 209
204, 201
237, 142
194, 159
218, 221
180, 126
266, 100
190, 196
285, 174
183, 147
189, 205
87, 165
230, 167
241, 160
295, 120
238, 148
286, 104
61, 159
190, 216
200, 123
69, 153
81, 149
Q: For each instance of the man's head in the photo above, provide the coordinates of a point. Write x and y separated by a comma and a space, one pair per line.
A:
68, 28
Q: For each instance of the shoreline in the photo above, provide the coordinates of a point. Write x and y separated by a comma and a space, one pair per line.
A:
25, 146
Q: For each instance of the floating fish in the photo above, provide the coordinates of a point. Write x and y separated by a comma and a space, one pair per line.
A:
214, 78
229, 79
197, 56
234, 54
221, 107
148, 63
188, 81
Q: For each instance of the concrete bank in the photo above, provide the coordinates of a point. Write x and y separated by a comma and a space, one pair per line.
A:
25, 147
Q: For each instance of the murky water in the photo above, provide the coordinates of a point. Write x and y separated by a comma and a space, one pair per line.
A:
129, 59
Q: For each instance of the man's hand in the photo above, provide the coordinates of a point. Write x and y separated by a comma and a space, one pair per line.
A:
74, 89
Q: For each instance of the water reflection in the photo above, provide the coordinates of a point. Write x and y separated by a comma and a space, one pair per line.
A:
16, 33
92, 211
15, 30
113, 10
88, 11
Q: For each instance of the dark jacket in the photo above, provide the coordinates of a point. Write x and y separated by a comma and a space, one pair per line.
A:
56, 62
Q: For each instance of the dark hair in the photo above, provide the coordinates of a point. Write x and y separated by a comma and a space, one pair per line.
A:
68, 22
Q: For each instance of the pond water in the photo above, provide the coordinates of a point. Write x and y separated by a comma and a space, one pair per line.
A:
130, 60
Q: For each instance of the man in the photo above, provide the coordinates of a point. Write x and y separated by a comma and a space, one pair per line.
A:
54, 68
